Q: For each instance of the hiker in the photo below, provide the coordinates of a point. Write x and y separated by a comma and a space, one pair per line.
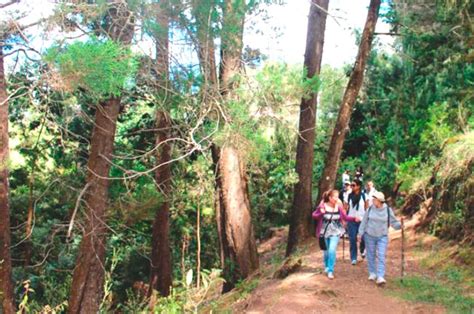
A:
344, 193
359, 174
370, 190
329, 215
374, 229
345, 177
355, 207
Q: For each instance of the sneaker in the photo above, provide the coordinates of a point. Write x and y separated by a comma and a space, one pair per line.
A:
381, 281
330, 275
363, 255
354, 262
326, 270
372, 277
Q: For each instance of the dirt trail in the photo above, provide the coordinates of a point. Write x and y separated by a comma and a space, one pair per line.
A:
310, 291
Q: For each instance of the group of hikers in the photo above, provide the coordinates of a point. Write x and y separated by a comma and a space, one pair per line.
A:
361, 213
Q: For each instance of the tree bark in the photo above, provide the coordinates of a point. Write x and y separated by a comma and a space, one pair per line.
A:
300, 215
205, 42
198, 238
215, 151
161, 269
238, 241
328, 178
236, 235
88, 278
231, 44
160, 274
30, 214
6, 286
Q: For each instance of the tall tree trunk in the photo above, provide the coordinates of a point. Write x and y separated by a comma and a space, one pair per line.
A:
235, 226
30, 214
6, 286
160, 271
328, 177
205, 41
198, 238
300, 215
231, 44
215, 151
236, 233
207, 62
207, 53
160, 277
88, 278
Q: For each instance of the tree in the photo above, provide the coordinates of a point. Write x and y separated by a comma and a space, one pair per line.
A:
6, 286
88, 278
7, 29
235, 228
328, 177
160, 270
300, 221
202, 12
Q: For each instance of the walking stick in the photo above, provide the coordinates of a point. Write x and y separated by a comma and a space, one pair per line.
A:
403, 249
343, 246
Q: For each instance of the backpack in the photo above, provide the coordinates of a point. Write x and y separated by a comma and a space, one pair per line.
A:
341, 195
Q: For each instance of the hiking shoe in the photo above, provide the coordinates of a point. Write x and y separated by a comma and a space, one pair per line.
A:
372, 277
330, 275
354, 262
381, 281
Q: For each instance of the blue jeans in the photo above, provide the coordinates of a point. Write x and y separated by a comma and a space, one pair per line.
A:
353, 230
330, 253
376, 248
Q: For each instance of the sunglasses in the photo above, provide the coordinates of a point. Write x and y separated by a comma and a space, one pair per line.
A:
353, 184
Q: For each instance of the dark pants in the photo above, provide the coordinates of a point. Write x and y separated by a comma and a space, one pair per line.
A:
353, 229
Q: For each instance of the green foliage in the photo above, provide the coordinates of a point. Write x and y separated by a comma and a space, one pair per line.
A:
428, 290
413, 173
102, 68
437, 129
452, 186
415, 103
449, 225
246, 287
279, 84
413, 100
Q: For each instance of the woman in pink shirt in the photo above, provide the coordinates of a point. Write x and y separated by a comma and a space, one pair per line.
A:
329, 215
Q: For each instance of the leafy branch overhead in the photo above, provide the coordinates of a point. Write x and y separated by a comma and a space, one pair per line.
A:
102, 68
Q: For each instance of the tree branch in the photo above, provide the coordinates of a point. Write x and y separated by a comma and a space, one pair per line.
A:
4, 5
388, 34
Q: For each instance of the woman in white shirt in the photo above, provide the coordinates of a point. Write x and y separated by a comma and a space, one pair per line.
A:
356, 206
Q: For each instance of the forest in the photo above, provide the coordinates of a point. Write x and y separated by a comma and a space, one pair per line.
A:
147, 152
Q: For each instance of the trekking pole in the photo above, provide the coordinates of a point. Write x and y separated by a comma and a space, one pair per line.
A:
343, 246
403, 249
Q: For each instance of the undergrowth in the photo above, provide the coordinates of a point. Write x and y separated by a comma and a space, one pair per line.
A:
452, 282
445, 292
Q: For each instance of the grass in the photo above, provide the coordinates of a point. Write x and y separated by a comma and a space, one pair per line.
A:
224, 303
452, 282
422, 289
246, 287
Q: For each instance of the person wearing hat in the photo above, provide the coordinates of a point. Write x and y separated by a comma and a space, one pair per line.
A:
374, 229
370, 190
346, 177
345, 191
